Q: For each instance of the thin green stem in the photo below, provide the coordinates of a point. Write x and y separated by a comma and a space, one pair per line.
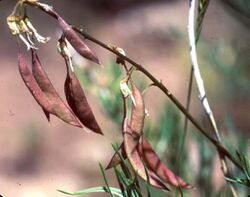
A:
183, 139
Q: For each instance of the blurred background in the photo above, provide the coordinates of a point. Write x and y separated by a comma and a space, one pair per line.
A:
36, 158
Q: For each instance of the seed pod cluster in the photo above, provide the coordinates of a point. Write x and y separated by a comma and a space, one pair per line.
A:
43, 91
59, 108
137, 150
152, 161
32, 85
76, 41
135, 147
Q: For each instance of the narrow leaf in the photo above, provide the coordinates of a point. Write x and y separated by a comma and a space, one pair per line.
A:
98, 189
105, 179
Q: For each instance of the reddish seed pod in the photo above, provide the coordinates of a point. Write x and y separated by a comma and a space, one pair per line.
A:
115, 160
32, 85
130, 145
78, 102
58, 106
154, 163
138, 112
77, 42
136, 121
47, 114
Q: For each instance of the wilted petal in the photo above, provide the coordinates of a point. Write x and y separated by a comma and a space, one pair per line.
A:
33, 31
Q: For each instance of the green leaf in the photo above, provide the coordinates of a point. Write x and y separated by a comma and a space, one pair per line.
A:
105, 179
202, 8
121, 182
98, 189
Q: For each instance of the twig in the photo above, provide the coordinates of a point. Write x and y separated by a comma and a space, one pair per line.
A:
200, 86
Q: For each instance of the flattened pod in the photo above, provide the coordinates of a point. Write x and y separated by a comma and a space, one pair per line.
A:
77, 42
78, 102
115, 160
154, 163
58, 106
32, 85
130, 145
138, 112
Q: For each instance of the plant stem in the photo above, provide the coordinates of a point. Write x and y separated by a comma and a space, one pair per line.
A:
201, 88
183, 139
157, 83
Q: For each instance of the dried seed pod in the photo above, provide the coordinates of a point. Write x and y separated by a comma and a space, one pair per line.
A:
78, 102
59, 108
138, 112
77, 42
115, 160
32, 85
130, 145
154, 163
47, 114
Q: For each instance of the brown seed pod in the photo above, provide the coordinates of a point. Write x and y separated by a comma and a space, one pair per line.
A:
78, 102
154, 163
58, 106
32, 85
130, 145
138, 112
115, 160
77, 42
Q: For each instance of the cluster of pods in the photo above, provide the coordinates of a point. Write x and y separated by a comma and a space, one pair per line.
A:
78, 111
135, 146
137, 149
